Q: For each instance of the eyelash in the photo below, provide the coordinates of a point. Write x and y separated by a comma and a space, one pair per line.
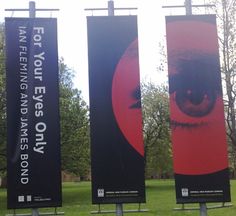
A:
175, 124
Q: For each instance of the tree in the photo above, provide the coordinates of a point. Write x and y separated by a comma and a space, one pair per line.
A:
226, 17
74, 125
2, 105
155, 103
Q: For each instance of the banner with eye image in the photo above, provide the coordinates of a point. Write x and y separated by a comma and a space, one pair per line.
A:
196, 110
117, 150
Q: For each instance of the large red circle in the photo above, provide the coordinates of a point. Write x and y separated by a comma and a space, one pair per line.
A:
124, 85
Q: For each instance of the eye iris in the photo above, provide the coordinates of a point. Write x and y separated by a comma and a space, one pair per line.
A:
196, 103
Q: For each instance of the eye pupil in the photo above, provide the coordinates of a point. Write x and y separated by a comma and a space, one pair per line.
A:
189, 92
195, 97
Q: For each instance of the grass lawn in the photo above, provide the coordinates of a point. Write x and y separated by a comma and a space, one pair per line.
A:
160, 201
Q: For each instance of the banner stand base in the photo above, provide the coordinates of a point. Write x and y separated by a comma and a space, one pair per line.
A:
223, 205
139, 210
36, 213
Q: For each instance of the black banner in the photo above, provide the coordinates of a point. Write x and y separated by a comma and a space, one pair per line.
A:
117, 148
33, 130
197, 111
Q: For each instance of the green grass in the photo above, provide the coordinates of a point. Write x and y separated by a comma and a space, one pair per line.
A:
160, 201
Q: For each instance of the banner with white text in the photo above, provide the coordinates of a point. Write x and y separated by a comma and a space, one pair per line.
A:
117, 147
197, 110
33, 130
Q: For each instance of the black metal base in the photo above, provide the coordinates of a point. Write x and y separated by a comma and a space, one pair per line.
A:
223, 205
139, 210
114, 211
35, 212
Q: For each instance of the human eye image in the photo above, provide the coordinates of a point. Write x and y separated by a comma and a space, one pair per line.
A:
196, 105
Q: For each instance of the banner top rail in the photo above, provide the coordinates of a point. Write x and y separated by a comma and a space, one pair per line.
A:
110, 8
32, 9
94, 9
38, 9
188, 6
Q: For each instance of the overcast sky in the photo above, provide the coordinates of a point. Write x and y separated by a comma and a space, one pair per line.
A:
72, 31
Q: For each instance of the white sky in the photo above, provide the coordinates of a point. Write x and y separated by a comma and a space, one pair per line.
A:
72, 31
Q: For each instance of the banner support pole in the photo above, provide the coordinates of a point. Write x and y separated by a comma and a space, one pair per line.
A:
32, 14
111, 12
35, 212
32, 9
119, 209
111, 9
188, 6
203, 209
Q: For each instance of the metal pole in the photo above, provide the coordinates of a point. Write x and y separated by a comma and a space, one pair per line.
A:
119, 209
32, 9
203, 209
188, 6
35, 212
111, 10
32, 14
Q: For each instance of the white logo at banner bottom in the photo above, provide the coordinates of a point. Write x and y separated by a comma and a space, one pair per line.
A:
184, 192
100, 192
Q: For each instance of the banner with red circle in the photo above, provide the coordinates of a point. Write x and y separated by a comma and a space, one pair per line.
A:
117, 147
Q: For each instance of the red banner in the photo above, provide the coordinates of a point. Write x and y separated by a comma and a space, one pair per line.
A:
197, 111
